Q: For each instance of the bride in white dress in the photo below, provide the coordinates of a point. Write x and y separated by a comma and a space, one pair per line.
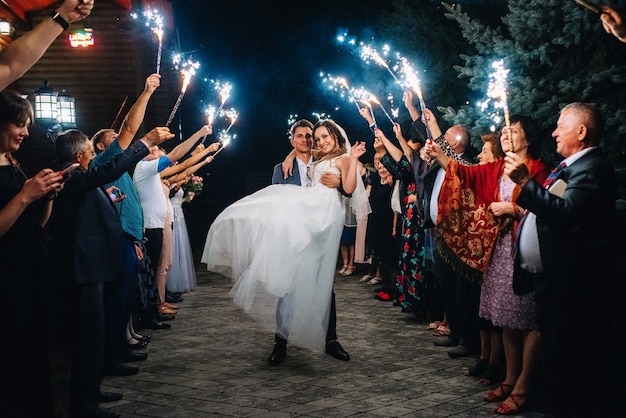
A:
283, 241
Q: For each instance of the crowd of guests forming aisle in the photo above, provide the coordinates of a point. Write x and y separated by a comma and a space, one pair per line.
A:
101, 223
491, 247
107, 217
448, 236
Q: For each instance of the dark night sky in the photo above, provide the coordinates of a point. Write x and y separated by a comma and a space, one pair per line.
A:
272, 55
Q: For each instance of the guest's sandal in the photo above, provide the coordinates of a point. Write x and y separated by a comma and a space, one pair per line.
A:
434, 325
441, 331
499, 394
478, 368
492, 376
519, 401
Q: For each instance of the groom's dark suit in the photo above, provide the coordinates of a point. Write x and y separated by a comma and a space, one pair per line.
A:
574, 292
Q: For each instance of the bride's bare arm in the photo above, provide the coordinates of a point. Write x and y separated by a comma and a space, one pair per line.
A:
349, 166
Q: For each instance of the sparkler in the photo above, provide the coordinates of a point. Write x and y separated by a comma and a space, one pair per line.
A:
232, 115
369, 53
589, 6
368, 98
497, 90
224, 139
354, 95
155, 21
414, 83
119, 112
224, 93
187, 69
210, 116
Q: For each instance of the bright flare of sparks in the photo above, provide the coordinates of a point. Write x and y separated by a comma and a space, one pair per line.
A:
154, 21
187, 69
210, 112
320, 115
232, 115
224, 138
498, 92
368, 98
413, 82
340, 85
368, 53
223, 90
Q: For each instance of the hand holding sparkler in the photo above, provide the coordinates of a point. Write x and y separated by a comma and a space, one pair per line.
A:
367, 115
613, 23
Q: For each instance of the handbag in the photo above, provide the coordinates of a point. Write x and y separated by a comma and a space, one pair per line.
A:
523, 281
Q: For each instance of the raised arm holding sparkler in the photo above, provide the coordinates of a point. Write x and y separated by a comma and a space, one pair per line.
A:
198, 158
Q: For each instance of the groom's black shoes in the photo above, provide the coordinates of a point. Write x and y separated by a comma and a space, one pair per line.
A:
278, 354
336, 350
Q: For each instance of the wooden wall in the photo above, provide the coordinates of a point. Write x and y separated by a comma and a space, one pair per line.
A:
102, 76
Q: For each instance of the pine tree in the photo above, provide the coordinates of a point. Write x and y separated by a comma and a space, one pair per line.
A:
557, 53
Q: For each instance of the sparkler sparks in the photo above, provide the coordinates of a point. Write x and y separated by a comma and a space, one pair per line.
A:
369, 53
224, 139
232, 115
497, 90
188, 70
155, 22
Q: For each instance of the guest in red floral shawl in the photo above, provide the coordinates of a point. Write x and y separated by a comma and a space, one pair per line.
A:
477, 218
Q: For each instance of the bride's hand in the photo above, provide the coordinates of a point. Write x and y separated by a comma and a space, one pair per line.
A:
357, 150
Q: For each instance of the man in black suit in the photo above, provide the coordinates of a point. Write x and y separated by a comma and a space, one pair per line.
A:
87, 238
566, 241
301, 139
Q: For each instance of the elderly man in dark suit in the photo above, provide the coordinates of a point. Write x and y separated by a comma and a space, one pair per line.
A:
566, 242
301, 139
87, 237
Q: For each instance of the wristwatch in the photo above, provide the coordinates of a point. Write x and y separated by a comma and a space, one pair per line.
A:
56, 16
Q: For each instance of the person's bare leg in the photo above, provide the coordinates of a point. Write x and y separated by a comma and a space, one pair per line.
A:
530, 360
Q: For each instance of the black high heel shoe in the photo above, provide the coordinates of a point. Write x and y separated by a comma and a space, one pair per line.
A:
138, 345
145, 338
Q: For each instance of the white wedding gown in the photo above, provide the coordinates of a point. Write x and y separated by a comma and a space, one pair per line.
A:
282, 242
182, 275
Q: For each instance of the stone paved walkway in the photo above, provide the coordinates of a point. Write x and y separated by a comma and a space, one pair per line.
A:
213, 362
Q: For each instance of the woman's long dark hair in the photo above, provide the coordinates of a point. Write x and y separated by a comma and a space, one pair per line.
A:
15, 109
